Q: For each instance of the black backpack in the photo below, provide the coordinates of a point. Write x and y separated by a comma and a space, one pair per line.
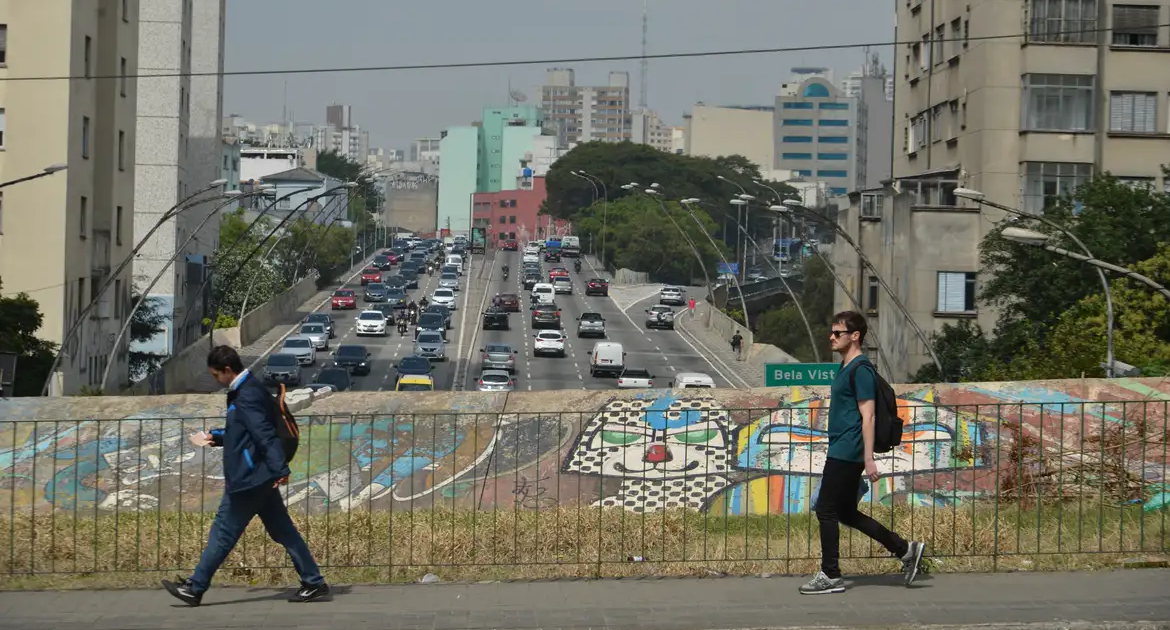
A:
887, 428
286, 427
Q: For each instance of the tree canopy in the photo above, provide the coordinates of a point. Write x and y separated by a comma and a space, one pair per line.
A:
369, 194
784, 328
20, 319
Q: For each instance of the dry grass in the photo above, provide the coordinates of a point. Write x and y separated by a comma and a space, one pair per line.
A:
362, 547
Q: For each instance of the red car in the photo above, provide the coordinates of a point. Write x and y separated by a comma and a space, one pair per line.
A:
597, 286
391, 255
344, 299
371, 274
510, 246
557, 272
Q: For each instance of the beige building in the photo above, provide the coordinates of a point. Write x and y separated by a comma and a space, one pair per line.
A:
712, 131
1024, 120
582, 113
62, 235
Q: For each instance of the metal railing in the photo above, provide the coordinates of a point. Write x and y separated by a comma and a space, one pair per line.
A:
686, 484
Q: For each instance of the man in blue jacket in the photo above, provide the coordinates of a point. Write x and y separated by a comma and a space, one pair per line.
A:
254, 467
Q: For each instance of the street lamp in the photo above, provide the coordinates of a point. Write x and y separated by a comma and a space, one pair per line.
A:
604, 209
301, 258
743, 218
652, 193
48, 170
1038, 239
792, 204
980, 198
703, 229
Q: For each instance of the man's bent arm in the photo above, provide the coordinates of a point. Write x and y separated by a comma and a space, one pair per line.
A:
866, 407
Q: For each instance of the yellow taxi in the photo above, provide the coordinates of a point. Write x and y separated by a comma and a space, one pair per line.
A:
416, 383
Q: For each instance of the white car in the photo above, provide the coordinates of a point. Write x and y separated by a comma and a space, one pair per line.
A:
671, 295
444, 297
531, 257
371, 323
635, 378
562, 285
549, 342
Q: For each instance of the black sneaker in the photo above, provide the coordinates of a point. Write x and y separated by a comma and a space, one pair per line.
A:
912, 561
310, 593
184, 591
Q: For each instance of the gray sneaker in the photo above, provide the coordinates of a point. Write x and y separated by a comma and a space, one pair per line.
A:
821, 583
912, 561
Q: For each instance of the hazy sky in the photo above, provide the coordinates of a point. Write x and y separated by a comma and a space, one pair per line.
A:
397, 106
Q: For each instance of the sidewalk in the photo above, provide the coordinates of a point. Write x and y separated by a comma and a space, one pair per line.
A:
747, 373
1050, 600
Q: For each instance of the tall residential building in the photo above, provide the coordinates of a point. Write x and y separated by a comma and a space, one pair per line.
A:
505, 134
459, 149
342, 135
61, 236
649, 129
275, 135
425, 150
816, 134
1021, 120
711, 131
577, 113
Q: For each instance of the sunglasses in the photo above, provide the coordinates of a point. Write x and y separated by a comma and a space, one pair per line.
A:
838, 333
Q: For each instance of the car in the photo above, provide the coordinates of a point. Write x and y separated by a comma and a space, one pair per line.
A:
302, 348
635, 378
562, 286
430, 322
450, 269
382, 261
496, 318
352, 357
282, 368
535, 246
509, 246
439, 309
549, 342
431, 345
322, 318
607, 357
396, 297
409, 277
499, 356
317, 333
510, 302
660, 316
371, 274
530, 257
591, 325
449, 281
557, 272
337, 379
496, 381
531, 280
343, 299
597, 286
375, 292
395, 282
370, 323
546, 316
543, 293
444, 297
413, 366
692, 380
385, 308
416, 383
552, 255
672, 295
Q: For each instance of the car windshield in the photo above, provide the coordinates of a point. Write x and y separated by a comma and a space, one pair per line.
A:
371, 271
449, 276
444, 293
430, 337
408, 273
372, 316
511, 297
414, 387
396, 292
318, 318
589, 317
312, 329
297, 343
418, 365
376, 287
281, 360
494, 378
598, 280
430, 320
352, 352
333, 376
550, 336
498, 349
437, 309
343, 293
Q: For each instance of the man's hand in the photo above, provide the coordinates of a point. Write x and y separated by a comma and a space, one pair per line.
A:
202, 438
871, 470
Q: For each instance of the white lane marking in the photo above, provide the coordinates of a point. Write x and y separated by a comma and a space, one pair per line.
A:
458, 384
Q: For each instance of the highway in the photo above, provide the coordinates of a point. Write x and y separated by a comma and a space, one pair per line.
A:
662, 352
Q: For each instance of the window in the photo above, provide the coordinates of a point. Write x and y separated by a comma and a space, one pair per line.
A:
953, 122
121, 150
1058, 102
3, 43
88, 54
126, 11
512, 219
832, 173
122, 75
3, 126
798, 122
915, 54
503, 203
924, 60
1135, 25
797, 139
798, 106
832, 156
796, 156
503, 219
118, 225
836, 106
938, 54
934, 193
117, 300
956, 292
1044, 182
956, 37
1133, 112
871, 294
85, 137
834, 123
871, 204
83, 217
834, 139
839, 192
936, 123
1137, 183
1063, 21
917, 138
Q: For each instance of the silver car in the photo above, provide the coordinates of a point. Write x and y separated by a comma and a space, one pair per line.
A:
318, 334
302, 348
449, 281
499, 356
496, 381
591, 325
282, 368
430, 345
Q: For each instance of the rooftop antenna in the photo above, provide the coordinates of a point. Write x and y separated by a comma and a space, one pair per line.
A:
645, 62
284, 105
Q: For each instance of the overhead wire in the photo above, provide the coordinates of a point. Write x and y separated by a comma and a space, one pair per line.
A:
558, 61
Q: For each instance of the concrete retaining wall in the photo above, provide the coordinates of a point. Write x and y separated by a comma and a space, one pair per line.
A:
186, 371
273, 312
629, 276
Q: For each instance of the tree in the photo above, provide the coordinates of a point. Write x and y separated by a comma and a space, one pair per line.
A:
148, 322
309, 245
20, 318
341, 167
784, 328
227, 294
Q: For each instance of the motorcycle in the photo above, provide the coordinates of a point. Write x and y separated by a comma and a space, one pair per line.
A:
505, 276
577, 265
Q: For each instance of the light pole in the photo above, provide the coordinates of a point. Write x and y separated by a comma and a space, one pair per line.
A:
979, 198
45, 172
744, 219
703, 229
651, 192
301, 258
184, 204
604, 210
1039, 239
596, 194
796, 205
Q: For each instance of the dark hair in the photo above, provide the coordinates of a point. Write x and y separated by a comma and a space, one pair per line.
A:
225, 358
853, 322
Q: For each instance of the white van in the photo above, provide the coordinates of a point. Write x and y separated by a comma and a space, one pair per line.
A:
455, 259
544, 293
607, 357
692, 380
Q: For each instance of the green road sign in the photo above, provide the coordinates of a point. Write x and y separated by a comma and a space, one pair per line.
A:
799, 374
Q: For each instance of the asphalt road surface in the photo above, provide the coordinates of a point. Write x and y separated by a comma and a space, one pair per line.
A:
663, 352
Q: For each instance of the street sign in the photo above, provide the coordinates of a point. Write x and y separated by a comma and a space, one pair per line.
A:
799, 374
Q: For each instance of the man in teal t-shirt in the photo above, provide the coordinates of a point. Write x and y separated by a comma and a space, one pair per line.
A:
851, 428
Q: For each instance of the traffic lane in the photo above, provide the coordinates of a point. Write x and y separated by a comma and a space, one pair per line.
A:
547, 373
492, 284
675, 350
617, 329
465, 339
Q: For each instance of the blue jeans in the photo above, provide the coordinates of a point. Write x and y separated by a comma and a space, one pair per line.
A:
235, 512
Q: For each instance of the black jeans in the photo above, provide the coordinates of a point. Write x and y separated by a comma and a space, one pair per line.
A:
837, 503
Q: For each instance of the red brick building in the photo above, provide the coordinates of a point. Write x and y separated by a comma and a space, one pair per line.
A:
514, 214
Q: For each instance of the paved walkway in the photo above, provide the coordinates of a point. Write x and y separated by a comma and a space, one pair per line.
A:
1055, 600
748, 373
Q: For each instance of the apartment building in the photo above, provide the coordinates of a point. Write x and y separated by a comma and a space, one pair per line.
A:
62, 236
342, 135
577, 113
179, 153
1021, 119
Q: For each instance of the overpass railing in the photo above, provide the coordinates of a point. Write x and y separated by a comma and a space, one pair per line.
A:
637, 487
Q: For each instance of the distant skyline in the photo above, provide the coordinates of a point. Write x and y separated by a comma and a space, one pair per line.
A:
396, 107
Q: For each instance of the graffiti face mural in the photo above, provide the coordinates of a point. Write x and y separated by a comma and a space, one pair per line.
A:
666, 452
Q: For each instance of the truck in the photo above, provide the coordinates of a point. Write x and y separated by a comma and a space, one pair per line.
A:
570, 246
478, 240
552, 250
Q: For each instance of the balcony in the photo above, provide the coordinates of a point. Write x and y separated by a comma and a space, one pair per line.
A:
99, 252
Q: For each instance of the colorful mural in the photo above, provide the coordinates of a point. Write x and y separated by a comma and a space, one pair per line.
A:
725, 451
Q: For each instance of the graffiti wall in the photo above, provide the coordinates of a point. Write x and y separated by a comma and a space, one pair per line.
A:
723, 451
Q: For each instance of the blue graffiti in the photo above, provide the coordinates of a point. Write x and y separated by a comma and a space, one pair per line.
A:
658, 415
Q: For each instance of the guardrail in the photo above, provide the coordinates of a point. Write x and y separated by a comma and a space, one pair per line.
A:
485, 495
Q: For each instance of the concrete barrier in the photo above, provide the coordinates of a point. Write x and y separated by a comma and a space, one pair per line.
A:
629, 276
186, 371
273, 312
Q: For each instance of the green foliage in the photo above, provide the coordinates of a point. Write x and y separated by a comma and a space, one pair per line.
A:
343, 168
223, 321
227, 294
784, 328
147, 323
20, 318
310, 245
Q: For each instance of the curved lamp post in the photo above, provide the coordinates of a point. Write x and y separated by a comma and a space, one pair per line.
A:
45, 172
604, 209
1038, 239
703, 229
184, 204
301, 258
596, 196
792, 204
651, 192
979, 198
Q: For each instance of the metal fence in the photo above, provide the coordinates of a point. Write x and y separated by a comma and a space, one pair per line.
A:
682, 484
